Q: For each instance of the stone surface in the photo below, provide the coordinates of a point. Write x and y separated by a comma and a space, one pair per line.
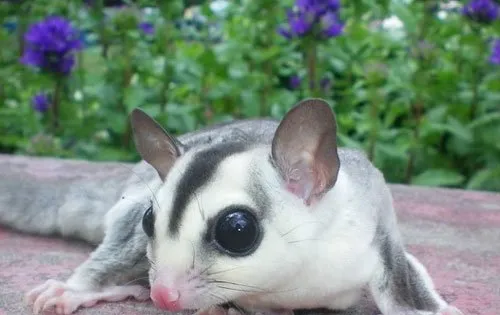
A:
455, 233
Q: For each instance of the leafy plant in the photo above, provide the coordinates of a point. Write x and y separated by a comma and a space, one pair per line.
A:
415, 84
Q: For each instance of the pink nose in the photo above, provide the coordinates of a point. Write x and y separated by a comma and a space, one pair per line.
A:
165, 298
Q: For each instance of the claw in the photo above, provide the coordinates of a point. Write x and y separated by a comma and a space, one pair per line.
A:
64, 299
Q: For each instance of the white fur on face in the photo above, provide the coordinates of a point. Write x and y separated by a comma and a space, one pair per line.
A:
306, 256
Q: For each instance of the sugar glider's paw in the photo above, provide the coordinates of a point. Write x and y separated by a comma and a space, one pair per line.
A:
59, 298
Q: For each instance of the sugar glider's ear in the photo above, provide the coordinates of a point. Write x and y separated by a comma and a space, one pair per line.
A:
304, 149
153, 143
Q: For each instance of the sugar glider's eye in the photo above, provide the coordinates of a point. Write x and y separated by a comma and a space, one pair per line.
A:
237, 231
148, 222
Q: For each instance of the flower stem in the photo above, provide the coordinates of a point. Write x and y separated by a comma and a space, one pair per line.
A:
167, 69
374, 128
417, 115
56, 103
266, 90
101, 25
2, 95
476, 97
81, 74
125, 83
417, 108
267, 15
311, 59
23, 14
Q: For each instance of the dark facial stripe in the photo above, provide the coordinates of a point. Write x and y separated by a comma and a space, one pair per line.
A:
259, 195
197, 174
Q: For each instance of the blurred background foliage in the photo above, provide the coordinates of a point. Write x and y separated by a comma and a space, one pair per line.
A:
415, 84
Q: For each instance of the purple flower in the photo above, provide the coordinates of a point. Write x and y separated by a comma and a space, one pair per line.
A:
147, 28
50, 45
312, 17
495, 53
300, 23
483, 11
285, 32
325, 84
330, 25
295, 82
41, 102
317, 7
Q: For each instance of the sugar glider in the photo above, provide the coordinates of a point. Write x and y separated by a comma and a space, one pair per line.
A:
250, 217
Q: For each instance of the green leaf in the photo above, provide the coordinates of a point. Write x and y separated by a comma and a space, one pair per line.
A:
13, 140
347, 142
438, 177
251, 102
493, 118
265, 53
437, 113
392, 150
406, 15
118, 123
454, 127
135, 96
181, 117
238, 70
113, 154
481, 179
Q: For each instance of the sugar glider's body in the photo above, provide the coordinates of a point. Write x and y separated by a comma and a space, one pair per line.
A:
269, 217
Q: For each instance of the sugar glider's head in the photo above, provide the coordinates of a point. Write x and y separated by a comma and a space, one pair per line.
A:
226, 224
